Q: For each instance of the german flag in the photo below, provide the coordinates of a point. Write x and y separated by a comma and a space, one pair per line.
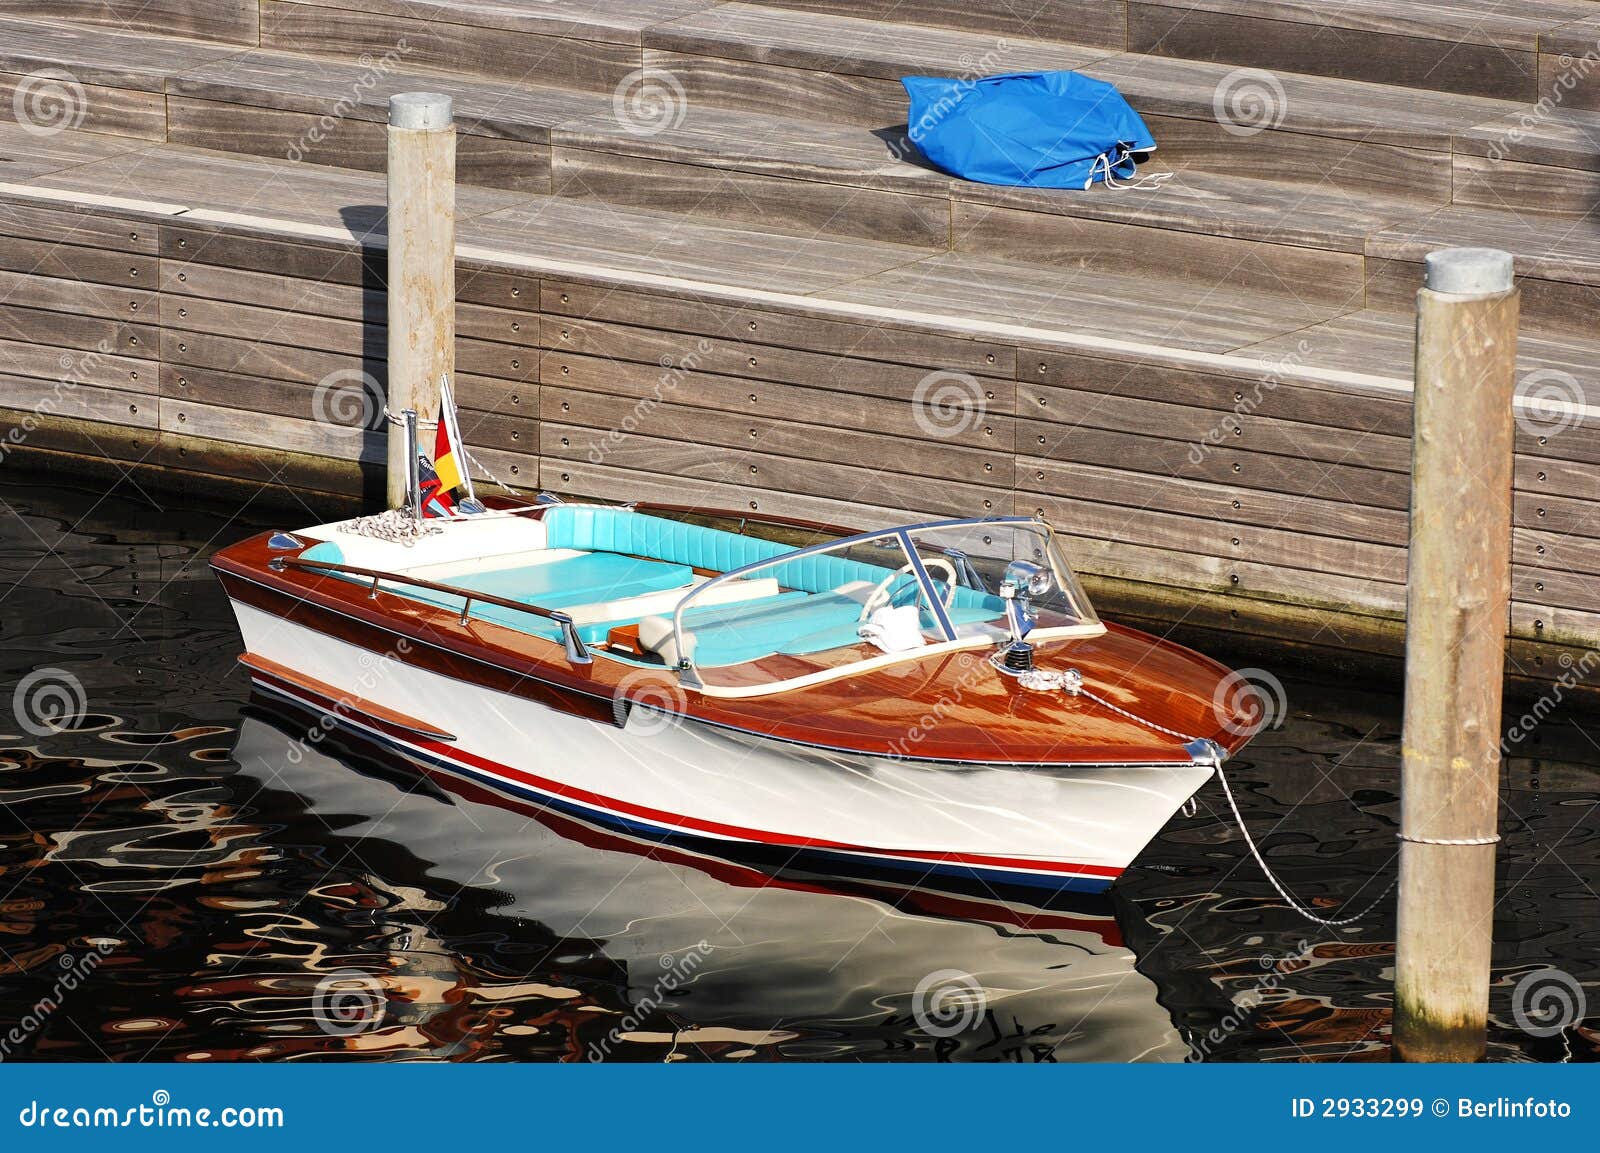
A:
435, 495
445, 439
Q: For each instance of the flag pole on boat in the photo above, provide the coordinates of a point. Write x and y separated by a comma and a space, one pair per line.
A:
1458, 588
421, 264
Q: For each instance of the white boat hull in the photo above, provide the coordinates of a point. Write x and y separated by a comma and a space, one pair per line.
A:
1072, 827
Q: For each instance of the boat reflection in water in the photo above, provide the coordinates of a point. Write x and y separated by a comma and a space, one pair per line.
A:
636, 950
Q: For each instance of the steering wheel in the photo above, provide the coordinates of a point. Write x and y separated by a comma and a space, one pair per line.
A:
881, 595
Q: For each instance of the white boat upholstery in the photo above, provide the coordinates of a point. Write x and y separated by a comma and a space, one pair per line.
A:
656, 636
478, 538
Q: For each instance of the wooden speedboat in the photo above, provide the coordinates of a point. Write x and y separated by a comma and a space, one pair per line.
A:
930, 698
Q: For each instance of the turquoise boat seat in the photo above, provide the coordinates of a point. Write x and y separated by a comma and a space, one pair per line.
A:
793, 624
626, 553
579, 580
622, 530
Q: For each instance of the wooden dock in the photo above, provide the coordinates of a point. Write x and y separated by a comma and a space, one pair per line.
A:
671, 288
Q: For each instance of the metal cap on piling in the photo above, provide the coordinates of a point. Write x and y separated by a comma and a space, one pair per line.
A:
420, 111
1467, 271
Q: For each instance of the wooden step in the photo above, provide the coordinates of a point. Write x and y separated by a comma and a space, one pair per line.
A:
1193, 200
1097, 23
843, 67
190, 178
787, 175
1473, 47
108, 80
776, 173
1557, 260
1093, 292
1568, 73
796, 176
25, 155
568, 43
1558, 137
327, 111
226, 21
1170, 311
1383, 341
1367, 138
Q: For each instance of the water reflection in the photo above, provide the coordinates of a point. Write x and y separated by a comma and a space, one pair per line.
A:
644, 951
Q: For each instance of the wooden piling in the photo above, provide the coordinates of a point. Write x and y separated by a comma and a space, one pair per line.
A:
421, 280
1458, 586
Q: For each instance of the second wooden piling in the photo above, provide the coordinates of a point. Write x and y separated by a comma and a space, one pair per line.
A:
1458, 589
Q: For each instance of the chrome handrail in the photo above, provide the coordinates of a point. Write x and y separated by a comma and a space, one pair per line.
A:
577, 651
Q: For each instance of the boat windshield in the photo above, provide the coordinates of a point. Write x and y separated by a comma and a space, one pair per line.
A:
833, 609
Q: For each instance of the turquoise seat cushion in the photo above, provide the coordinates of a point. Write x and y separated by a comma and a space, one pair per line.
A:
744, 631
795, 624
621, 530
578, 580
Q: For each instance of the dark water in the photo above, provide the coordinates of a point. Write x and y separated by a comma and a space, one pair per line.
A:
184, 875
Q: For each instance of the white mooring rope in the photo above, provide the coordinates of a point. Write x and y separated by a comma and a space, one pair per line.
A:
1238, 817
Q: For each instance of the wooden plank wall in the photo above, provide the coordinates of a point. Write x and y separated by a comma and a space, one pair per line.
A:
241, 353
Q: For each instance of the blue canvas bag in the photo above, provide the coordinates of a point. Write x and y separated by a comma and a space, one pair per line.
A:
1035, 129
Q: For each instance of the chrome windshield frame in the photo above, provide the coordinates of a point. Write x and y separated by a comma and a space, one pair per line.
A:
687, 673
